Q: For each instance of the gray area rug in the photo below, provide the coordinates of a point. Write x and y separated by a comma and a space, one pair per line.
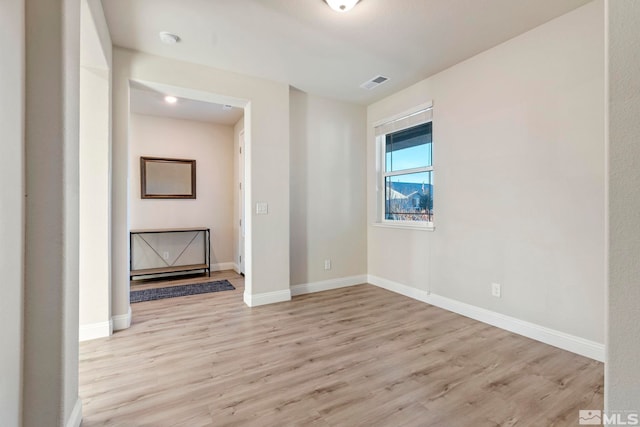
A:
180, 291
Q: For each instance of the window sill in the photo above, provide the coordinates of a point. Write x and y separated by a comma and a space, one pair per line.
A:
418, 227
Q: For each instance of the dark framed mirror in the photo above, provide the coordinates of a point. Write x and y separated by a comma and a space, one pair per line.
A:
163, 178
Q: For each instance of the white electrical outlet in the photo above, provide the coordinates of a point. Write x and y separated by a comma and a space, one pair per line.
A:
165, 255
327, 264
262, 208
496, 290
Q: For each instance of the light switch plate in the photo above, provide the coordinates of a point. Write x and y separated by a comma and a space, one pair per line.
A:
262, 208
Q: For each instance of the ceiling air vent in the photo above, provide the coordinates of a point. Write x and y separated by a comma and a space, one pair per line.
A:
374, 82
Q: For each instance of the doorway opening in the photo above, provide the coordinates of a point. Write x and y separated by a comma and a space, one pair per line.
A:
208, 130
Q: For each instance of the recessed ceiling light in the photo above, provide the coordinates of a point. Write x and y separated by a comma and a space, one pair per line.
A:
168, 38
341, 5
170, 99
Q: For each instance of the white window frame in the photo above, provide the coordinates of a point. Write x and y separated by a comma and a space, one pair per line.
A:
382, 174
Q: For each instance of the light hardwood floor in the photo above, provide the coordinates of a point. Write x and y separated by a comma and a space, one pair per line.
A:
353, 356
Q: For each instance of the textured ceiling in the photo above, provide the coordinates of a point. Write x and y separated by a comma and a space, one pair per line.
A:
309, 46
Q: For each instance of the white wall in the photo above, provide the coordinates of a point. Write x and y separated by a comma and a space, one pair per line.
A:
622, 376
267, 130
95, 268
211, 146
95, 174
12, 46
519, 180
328, 182
50, 380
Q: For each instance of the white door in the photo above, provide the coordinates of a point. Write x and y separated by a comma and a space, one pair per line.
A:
241, 205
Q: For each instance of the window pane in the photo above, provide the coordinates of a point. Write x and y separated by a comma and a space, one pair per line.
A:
409, 148
409, 197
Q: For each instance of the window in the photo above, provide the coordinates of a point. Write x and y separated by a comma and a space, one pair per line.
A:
406, 170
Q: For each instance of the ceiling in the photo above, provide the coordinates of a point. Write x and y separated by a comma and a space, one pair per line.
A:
150, 101
309, 46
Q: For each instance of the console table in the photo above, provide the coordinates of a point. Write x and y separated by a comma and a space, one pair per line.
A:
161, 251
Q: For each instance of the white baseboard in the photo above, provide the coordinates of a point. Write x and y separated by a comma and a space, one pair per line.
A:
279, 296
399, 288
75, 419
92, 331
236, 268
572, 343
326, 285
267, 298
122, 321
223, 266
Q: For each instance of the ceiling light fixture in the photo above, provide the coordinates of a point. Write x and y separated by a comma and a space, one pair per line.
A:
170, 99
341, 5
168, 38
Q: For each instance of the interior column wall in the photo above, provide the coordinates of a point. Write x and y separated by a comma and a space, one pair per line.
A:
50, 381
622, 376
11, 208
